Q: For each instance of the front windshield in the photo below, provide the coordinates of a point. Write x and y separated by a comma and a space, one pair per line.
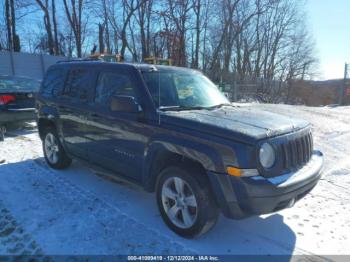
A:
183, 90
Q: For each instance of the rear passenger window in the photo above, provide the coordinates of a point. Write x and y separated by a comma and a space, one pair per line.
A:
110, 84
53, 83
78, 84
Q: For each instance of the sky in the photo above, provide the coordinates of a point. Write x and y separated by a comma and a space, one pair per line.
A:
329, 22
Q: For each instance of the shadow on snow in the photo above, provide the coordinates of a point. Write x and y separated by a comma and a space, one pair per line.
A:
267, 235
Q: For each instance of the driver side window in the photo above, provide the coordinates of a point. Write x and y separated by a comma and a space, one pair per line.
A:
110, 84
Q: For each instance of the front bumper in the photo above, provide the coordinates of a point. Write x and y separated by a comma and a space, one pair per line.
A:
16, 115
243, 197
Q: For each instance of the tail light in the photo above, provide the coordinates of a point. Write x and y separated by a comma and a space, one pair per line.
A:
5, 99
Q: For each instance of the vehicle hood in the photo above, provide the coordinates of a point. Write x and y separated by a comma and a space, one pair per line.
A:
245, 123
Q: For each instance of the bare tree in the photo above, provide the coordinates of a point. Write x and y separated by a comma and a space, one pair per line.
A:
74, 12
129, 7
8, 25
197, 4
226, 35
178, 12
230, 40
120, 20
143, 18
55, 30
106, 30
13, 41
44, 5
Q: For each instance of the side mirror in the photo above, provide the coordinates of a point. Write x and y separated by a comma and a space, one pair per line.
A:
126, 104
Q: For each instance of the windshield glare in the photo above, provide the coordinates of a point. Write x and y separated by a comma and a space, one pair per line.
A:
179, 89
10, 83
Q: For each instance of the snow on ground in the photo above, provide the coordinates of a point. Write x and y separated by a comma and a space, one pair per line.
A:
78, 211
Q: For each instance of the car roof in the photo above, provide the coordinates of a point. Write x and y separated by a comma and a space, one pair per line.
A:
139, 66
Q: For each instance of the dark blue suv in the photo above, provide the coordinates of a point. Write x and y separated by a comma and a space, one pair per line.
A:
171, 131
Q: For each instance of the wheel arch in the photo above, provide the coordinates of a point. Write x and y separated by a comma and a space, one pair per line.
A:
161, 154
44, 123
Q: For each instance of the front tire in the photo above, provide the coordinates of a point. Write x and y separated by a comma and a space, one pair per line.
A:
185, 201
54, 153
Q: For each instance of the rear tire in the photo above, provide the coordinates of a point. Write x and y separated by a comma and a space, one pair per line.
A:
185, 201
54, 153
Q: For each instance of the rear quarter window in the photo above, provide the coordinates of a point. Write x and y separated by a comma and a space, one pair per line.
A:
53, 83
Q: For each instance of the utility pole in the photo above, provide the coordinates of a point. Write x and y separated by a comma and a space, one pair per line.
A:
346, 84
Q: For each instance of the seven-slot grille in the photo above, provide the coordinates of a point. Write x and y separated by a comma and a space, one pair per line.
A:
297, 152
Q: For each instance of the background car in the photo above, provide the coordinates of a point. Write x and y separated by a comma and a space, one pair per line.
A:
17, 100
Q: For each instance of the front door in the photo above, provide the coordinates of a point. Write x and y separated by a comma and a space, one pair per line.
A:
119, 138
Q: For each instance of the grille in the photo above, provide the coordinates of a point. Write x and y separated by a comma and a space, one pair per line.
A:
297, 152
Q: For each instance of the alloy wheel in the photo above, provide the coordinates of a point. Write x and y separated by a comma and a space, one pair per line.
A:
179, 202
51, 148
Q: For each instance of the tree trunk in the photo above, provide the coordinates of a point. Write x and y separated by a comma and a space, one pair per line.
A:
100, 38
148, 27
8, 25
142, 11
15, 37
198, 32
47, 23
49, 33
56, 45
106, 27
75, 20
126, 22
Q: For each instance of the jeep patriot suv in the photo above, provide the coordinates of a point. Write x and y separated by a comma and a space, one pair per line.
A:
171, 131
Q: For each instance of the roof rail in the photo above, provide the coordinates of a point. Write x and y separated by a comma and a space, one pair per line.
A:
80, 60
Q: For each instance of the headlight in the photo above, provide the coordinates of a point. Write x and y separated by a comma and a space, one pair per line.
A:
267, 155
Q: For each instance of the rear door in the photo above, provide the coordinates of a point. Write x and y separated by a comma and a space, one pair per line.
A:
48, 98
73, 109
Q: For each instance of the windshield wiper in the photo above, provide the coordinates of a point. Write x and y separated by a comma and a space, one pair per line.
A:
219, 106
182, 108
